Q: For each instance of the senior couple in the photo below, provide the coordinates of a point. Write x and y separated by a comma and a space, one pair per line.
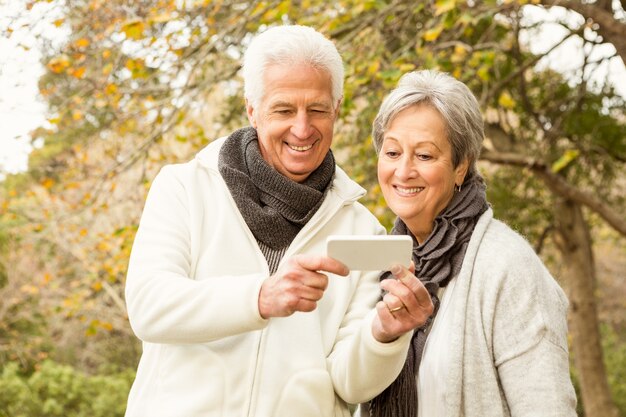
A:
241, 313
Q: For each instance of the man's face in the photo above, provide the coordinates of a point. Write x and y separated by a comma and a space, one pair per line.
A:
295, 118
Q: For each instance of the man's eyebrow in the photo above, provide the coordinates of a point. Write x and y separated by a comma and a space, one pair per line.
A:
280, 104
287, 104
320, 104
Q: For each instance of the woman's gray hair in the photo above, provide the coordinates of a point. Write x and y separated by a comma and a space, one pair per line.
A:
451, 98
290, 45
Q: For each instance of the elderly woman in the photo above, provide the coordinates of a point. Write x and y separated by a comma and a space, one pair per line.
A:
497, 342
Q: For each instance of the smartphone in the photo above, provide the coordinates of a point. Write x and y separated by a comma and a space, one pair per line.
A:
370, 253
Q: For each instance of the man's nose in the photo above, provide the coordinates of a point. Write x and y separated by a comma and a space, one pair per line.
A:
301, 127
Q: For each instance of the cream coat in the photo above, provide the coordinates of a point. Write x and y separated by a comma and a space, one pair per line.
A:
192, 293
508, 354
508, 346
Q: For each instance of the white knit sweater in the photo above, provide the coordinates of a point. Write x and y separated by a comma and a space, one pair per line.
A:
508, 352
507, 341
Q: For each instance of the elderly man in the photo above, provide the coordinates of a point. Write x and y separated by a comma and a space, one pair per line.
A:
239, 310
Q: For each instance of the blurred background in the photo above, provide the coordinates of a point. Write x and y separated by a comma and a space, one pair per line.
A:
96, 96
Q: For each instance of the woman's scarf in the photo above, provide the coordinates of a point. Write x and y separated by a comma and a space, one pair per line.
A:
437, 261
274, 207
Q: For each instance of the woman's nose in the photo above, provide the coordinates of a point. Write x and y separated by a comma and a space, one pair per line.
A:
406, 167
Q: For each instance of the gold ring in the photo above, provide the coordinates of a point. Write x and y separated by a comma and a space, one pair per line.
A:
393, 310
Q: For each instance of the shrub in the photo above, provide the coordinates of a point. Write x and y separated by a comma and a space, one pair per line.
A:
55, 390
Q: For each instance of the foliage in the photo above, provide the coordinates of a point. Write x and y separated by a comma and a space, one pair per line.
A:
615, 358
58, 390
614, 348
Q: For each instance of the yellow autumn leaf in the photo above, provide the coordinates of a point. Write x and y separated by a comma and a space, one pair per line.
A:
373, 67
103, 246
459, 55
107, 69
58, 22
443, 6
77, 72
432, 34
505, 100
58, 64
29, 289
135, 64
106, 326
47, 183
81, 43
110, 89
133, 29
567, 158
483, 73
161, 18
77, 115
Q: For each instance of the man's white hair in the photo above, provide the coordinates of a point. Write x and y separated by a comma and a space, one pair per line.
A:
290, 45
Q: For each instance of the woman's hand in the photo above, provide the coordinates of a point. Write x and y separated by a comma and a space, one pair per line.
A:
406, 306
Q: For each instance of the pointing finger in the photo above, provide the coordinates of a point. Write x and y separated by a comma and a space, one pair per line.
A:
323, 263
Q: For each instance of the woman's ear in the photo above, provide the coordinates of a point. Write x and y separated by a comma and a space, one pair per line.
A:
461, 171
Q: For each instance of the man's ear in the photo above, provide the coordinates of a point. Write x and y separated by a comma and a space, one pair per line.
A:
251, 114
338, 107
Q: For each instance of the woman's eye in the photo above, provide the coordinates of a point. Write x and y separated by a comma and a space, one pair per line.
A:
391, 154
423, 157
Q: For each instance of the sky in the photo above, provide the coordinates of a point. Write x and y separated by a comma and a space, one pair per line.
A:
21, 110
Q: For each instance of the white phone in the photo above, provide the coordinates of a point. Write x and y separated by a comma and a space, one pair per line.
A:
370, 253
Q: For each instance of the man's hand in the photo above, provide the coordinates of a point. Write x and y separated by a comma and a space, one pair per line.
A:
297, 285
406, 306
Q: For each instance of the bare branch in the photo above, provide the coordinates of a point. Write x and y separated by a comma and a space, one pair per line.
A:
559, 186
610, 28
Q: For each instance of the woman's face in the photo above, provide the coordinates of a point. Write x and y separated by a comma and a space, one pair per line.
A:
415, 169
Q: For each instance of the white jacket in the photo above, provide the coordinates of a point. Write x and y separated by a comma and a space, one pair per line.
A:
192, 294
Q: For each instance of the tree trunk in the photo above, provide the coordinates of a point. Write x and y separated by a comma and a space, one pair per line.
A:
574, 242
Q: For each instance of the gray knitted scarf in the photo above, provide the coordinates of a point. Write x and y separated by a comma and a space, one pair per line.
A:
274, 207
437, 261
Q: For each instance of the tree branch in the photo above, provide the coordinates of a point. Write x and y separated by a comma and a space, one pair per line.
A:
610, 28
559, 186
